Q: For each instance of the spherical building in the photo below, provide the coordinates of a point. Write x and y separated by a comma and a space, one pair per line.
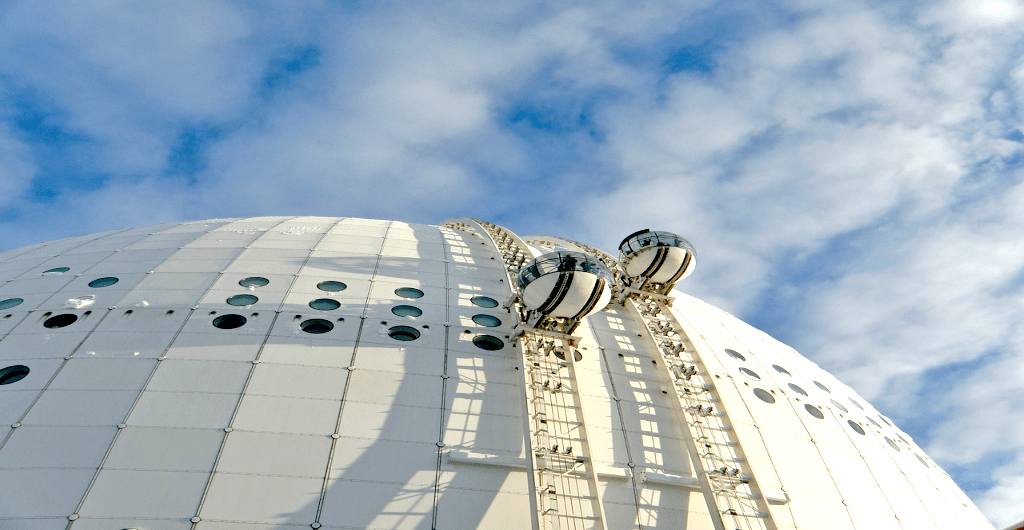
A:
274, 373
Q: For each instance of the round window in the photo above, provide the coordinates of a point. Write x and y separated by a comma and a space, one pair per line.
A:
855, 403
484, 301
814, 411
919, 459
487, 342
57, 270
325, 304
13, 374
10, 302
576, 355
229, 321
764, 395
884, 420
486, 321
242, 299
839, 405
856, 427
781, 370
331, 286
823, 387
253, 282
406, 311
873, 422
797, 389
404, 333
409, 292
103, 282
892, 444
316, 326
735, 354
750, 373
60, 321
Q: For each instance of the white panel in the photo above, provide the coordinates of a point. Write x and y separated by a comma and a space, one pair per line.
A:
215, 346
58, 447
378, 505
305, 351
84, 372
275, 454
16, 402
358, 459
78, 407
174, 409
159, 448
262, 498
200, 376
390, 388
163, 494
42, 492
402, 360
315, 382
400, 423
287, 415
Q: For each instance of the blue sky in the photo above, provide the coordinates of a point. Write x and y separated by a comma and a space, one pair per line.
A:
850, 172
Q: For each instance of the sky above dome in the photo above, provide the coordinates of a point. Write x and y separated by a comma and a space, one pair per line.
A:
849, 172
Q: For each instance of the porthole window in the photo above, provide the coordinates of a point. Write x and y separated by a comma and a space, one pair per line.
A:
484, 301
921, 460
884, 420
253, 282
873, 422
331, 286
229, 321
487, 342
409, 292
242, 299
10, 302
750, 373
325, 304
735, 354
797, 389
855, 403
404, 333
13, 374
103, 282
814, 411
406, 311
839, 405
486, 321
316, 326
823, 387
781, 370
60, 321
892, 444
856, 427
764, 395
57, 270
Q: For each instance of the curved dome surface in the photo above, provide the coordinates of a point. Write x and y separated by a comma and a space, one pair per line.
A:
345, 373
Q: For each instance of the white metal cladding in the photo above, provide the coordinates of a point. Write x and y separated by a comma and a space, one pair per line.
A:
142, 414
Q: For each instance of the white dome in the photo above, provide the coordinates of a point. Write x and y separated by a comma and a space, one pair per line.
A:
344, 373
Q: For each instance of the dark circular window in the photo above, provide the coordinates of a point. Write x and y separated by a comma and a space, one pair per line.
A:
242, 299
103, 282
484, 301
797, 389
60, 321
750, 373
331, 286
325, 304
229, 321
404, 333
892, 444
406, 311
486, 321
839, 405
13, 374
10, 302
855, 403
735, 354
487, 342
316, 326
253, 281
823, 387
58, 269
856, 427
781, 370
764, 395
409, 292
814, 411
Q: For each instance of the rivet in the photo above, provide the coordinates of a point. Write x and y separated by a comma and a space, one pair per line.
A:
631, 465
351, 368
315, 525
335, 436
228, 429
68, 358
121, 425
255, 361
444, 377
73, 517
15, 425
440, 444
161, 358
195, 519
